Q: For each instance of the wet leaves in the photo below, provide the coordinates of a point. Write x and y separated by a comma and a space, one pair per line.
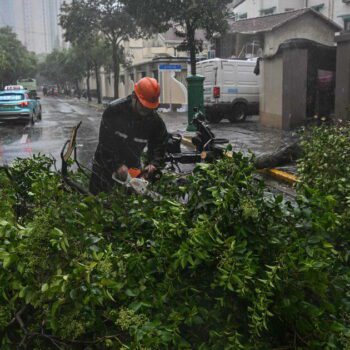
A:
230, 269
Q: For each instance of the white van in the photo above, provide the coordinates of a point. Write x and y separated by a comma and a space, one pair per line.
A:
231, 89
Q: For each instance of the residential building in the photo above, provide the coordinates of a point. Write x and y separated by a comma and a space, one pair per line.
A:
144, 58
35, 22
6, 13
297, 63
336, 10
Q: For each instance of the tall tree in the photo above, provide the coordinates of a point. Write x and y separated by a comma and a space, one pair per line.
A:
15, 60
88, 19
64, 67
76, 67
99, 55
186, 16
95, 55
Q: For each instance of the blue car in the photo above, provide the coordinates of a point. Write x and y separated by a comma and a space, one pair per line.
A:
16, 105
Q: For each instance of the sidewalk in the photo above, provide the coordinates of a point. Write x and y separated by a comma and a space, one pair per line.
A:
245, 136
92, 104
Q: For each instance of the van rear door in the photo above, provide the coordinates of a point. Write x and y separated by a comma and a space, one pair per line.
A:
248, 82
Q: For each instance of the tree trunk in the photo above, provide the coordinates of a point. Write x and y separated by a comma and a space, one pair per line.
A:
77, 88
283, 156
115, 57
98, 85
192, 46
88, 92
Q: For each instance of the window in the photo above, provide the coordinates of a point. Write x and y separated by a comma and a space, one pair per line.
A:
347, 24
268, 11
132, 77
241, 16
318, 8
143, 74
155, 74
11, 97
211, 54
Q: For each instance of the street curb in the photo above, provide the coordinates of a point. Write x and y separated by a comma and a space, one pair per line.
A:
275, 173
280, 175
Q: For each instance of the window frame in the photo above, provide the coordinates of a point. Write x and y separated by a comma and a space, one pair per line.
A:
268, 11
241, 16
346, 21
318, 7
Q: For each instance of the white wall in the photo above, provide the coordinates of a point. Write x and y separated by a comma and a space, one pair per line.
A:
333, 9
253, 7
271, 92
284, 5
306, 27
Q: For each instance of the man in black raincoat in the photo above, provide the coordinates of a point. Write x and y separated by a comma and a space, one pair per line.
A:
127, 127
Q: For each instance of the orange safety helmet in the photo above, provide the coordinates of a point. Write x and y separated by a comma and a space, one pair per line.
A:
147, 91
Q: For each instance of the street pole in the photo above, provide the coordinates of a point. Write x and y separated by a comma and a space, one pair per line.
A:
171, 92
195, 98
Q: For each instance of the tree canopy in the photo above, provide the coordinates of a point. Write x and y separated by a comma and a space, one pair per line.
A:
62, 66
86, 20
15, 60
186, 16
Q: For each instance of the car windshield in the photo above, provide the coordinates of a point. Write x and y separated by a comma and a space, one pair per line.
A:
11, 97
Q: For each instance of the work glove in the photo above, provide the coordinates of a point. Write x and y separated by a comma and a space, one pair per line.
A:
149, 171
122, 172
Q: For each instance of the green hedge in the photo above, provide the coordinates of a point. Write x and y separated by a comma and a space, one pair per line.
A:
234, 268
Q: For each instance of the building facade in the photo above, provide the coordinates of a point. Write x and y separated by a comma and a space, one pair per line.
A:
336, 10
297, 63
35, 23
144, 57
6, 13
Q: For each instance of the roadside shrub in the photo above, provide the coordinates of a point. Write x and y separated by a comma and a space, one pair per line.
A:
324, 169
234, 268
325, 163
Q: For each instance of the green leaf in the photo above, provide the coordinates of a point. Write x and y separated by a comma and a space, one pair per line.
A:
130, 293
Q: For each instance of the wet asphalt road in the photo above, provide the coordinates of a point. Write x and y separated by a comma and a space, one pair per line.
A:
48, 135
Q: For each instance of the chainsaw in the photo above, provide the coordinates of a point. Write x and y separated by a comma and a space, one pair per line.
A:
135, 182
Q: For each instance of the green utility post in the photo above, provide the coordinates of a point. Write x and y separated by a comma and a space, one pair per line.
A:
195, 98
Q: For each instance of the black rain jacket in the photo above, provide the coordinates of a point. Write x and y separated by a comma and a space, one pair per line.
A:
123, 136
